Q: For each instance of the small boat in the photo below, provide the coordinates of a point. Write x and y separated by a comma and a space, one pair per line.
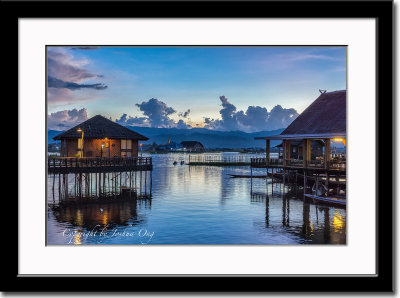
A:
327, 200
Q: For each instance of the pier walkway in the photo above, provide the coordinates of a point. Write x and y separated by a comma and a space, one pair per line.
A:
297, 164
218, 160
66, 165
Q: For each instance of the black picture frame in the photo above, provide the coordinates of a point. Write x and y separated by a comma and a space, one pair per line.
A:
379, 10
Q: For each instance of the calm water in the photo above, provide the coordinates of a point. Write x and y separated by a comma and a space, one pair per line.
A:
200, 205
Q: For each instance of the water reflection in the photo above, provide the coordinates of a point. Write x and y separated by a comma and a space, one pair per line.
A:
204, 205
88, 215
326, 225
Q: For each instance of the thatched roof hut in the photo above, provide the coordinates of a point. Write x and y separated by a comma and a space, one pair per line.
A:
99, 127
99, 137
321, 122
326, 115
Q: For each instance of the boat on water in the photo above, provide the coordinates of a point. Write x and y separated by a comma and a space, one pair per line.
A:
336, 201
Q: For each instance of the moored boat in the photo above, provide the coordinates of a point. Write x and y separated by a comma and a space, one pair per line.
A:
327, 200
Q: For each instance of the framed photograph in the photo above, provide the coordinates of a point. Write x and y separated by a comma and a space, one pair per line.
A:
202, 146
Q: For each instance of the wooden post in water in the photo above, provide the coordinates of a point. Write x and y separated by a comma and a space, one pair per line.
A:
306, 152
59, 187
327, 156
327, 180
151, 181
284, 152
66, 185
54, 179
268, 151
145, 183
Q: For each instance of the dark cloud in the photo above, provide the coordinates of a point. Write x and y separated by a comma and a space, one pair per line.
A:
56, 83
255, 118
157, 113
208, 120
133, 121
66, 119
84, 48
184, 114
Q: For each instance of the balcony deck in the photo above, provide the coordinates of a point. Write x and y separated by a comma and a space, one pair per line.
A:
66, 165
317, 165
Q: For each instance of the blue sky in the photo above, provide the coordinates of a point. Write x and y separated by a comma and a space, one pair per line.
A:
111, 80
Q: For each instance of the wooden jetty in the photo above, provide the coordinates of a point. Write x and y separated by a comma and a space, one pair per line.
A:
99, 160
218, 160
85, 179
306, 145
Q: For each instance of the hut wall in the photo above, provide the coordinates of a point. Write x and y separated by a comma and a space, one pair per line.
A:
115, 148
69, 148
135, 148
92, 148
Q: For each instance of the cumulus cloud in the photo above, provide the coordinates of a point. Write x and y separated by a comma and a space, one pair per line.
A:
255, 118
157, 113
182, 125
67, 73
280, 117
66, 119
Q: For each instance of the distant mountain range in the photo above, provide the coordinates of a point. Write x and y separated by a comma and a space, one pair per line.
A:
209, 138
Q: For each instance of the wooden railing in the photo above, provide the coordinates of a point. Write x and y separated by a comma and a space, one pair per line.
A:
219, 158
298, 163
71, 163
318, 163
262, 162
341, 165
295, 162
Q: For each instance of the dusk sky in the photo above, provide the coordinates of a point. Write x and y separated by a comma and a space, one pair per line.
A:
224, 88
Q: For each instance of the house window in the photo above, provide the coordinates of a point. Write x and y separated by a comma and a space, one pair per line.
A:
126, 154
126, 144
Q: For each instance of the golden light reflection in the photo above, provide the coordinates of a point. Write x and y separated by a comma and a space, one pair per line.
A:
311, 227
77, 237
105, 218
79, 218
338, 222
